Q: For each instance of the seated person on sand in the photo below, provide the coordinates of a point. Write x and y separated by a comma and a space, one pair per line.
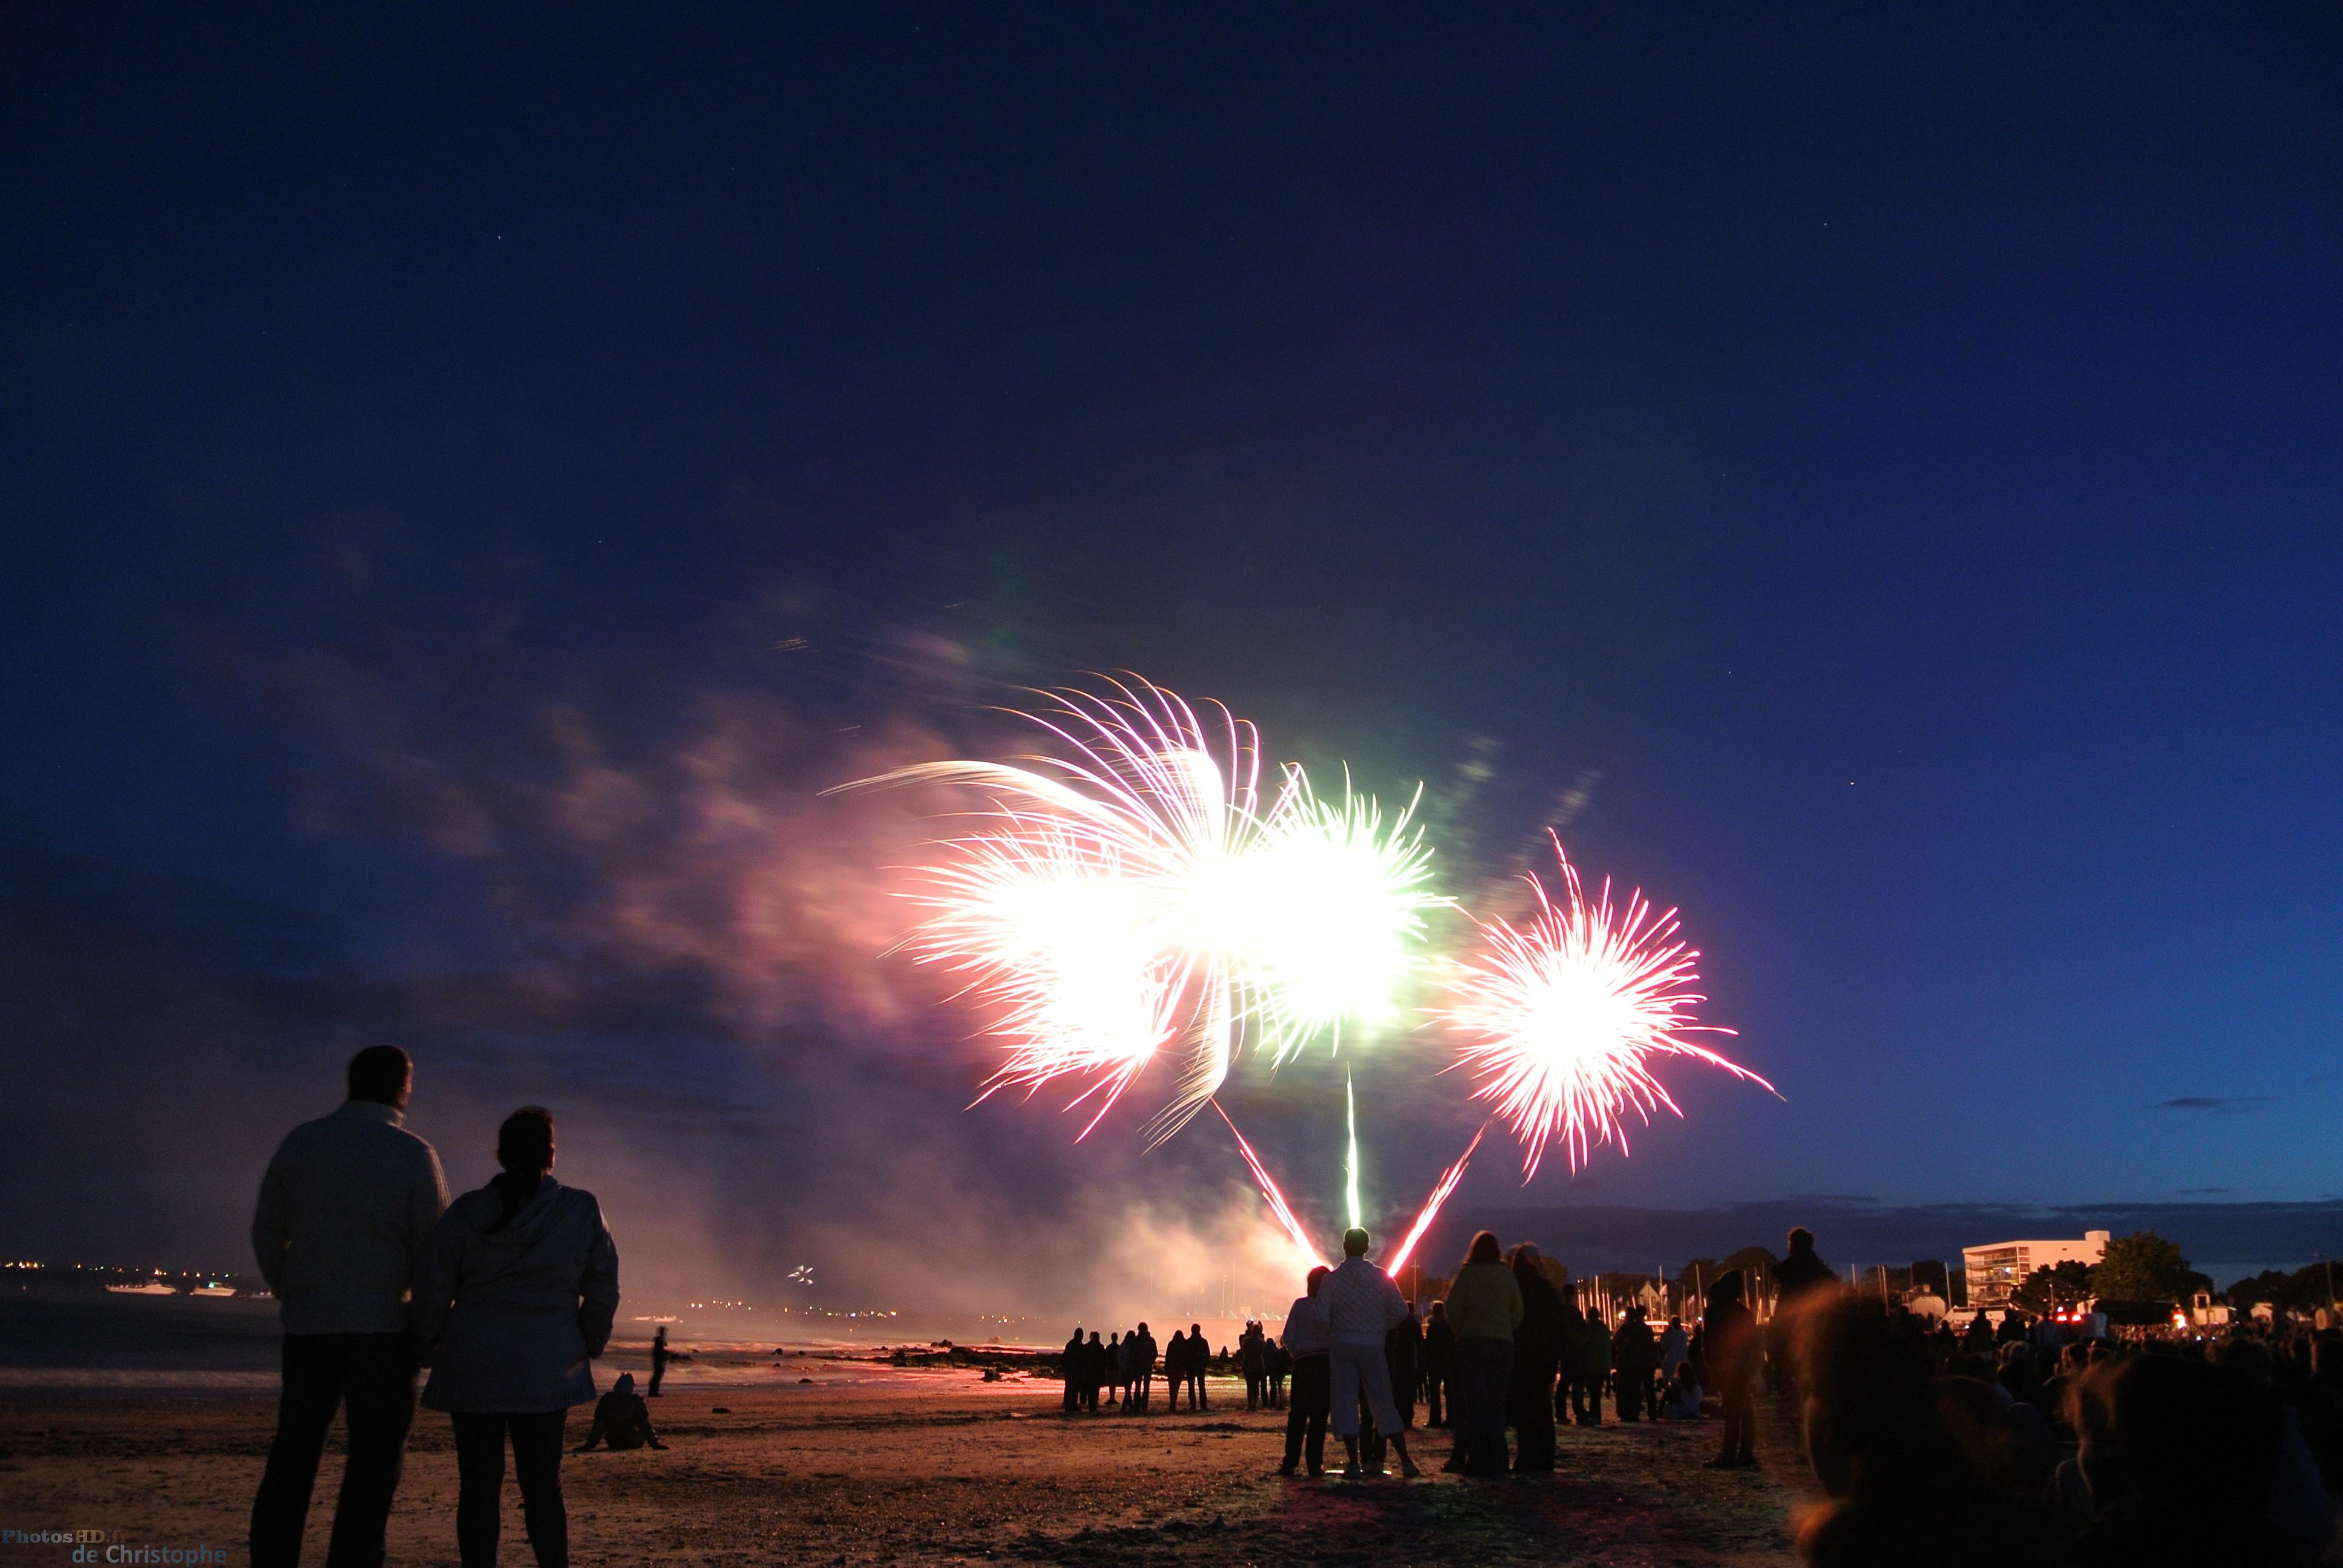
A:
1682, 1400
622, 1419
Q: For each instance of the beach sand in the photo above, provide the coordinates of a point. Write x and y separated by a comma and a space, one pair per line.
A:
918, 1467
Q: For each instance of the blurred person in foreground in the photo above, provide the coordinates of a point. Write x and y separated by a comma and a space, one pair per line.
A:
1363, 1306
1537, 1362
1304, 1338
340, 1231
1900, 1488
518, 1299
1485, 1307
2182, 1459
1439, 1364
1731, 1351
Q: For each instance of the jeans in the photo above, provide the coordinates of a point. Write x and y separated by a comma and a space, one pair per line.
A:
1305, 1417
1356, 1371
373, 1375
1434, 1385
480, 1477
1484, 1369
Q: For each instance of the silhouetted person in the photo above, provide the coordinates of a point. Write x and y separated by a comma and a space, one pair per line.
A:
1595, 1370
1071, 1366
1485, 1307
1570, 1368
1363, 1306
1731, 1350
522, 1290
1439, 1365
1304, 1339
1979, 1339
1143, 1359
659, 1358
1281, 1368
1801, 1283
341, 1231
1633, 1362
1116, 1389
621, 1419
1674, 1347
1175, 1366
1680, 1397
1252, 1360
1200, 1361
1093, 1372
1801, 1272
1537, 1361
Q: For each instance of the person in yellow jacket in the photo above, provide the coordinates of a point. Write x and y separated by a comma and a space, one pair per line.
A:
1485, 1307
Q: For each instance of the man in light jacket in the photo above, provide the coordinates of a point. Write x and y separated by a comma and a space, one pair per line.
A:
1363, 1306
341, 1233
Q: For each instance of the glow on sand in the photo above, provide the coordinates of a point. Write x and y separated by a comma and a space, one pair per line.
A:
1562, 1018
1135, 893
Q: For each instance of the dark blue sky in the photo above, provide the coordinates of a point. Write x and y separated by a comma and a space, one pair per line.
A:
1888, 464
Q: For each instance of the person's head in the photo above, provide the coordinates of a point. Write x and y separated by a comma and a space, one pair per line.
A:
625, 1385
1316, 1277
1674, 1321
525, 1151
1802, 1240
1195, 1331
1726, 1290
1354, 1242
525, 1142
1440, 1309
382, 1074
661, 1336
1873, 1430
1485, 1249
1094, 1338
1143, 1328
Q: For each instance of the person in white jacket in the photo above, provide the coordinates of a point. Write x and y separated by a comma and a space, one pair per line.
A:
1363, 1304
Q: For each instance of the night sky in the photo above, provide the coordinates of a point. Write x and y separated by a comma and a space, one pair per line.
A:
1868, 478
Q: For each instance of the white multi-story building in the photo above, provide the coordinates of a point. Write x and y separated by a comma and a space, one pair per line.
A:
1999, 1268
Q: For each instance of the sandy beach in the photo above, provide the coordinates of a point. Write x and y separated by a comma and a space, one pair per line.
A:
876, 1464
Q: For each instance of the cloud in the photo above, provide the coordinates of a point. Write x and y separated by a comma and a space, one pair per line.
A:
2216, 1104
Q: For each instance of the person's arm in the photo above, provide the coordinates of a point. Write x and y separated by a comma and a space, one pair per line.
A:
592, 1437
643, 1427
598, 1308
427, 1200
272, 1225
443, 1267
1514, 1309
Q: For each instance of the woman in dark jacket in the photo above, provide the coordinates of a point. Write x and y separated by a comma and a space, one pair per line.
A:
519, 1296
1537, 1357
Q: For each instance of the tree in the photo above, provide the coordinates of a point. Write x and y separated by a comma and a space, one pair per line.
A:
2144, 1267
2054, 1288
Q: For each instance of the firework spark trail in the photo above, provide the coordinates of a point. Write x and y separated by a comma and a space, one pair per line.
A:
1431, 1209
1350, 1161
1293, 1230
1562, 1016
1137, 893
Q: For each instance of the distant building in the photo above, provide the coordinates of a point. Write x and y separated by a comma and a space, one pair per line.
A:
1996, 1271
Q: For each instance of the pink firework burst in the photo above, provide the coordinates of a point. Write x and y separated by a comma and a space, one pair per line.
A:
1562, 1018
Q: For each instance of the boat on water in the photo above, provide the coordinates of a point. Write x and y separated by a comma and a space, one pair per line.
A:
213, 1289
145, 1287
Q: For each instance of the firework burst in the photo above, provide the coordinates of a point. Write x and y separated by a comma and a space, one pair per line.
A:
1135, 894
1562, 1018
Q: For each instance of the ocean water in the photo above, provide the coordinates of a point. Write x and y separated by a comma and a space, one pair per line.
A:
93, 1343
